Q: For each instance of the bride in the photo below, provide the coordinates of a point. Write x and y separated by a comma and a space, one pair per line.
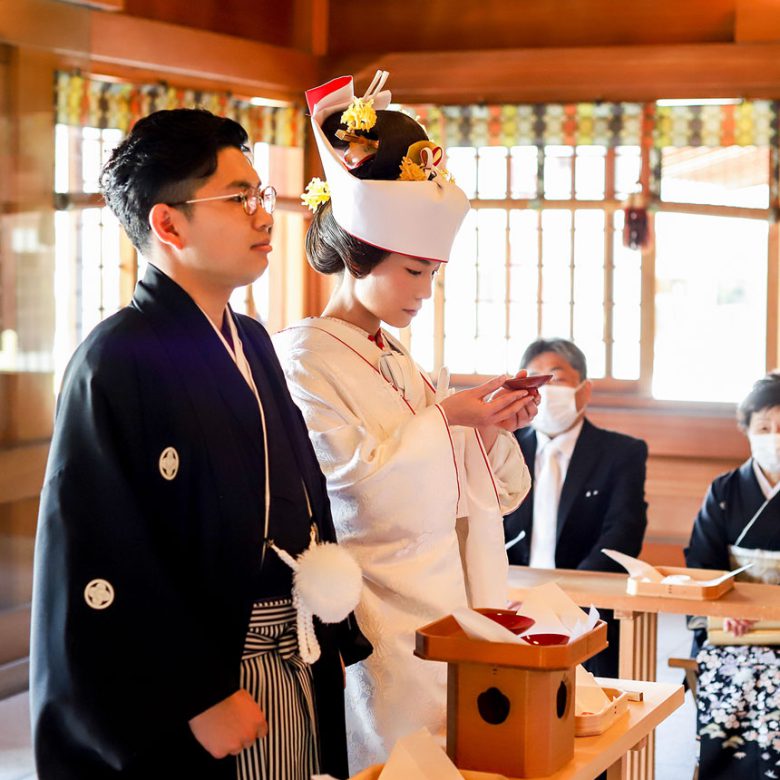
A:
418, 476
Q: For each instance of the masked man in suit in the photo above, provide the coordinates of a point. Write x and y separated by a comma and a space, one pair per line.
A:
588, 483
164, 639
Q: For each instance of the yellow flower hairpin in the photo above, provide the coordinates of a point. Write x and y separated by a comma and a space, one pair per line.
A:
317, 192
360, 115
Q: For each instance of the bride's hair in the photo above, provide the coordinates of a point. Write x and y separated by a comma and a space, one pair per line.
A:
330, 249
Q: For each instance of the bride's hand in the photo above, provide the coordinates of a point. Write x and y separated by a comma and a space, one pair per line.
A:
483, 407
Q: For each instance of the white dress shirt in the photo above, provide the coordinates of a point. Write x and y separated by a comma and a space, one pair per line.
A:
552, 462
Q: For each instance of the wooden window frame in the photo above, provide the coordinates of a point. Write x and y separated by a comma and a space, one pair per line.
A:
608, 391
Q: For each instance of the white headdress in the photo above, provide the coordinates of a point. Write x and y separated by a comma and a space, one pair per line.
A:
417, 218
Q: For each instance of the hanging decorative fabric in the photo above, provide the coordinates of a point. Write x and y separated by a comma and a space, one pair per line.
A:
607, 124
88, 101
651, 126
747, 123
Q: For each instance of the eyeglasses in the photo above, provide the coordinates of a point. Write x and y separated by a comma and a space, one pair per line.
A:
251, 199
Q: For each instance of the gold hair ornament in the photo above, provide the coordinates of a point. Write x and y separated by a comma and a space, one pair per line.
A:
352, 138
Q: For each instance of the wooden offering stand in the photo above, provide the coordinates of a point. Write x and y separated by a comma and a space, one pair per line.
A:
696, 588
510, 707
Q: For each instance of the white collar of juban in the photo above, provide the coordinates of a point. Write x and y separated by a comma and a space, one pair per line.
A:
350, 335
766, 488
236, 352
239, 358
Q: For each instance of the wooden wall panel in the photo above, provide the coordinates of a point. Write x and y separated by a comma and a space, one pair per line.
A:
26, 408
757, 20
17, 543
21, 471
641, 73
267, 21
452, 25
310, 26
675, 489
668, 434
15, 632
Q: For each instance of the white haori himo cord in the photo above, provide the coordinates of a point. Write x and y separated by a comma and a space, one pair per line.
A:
327, 583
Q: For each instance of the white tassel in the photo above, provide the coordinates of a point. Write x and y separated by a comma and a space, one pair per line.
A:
327, 583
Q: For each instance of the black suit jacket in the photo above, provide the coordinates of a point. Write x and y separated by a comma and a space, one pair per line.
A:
602, 501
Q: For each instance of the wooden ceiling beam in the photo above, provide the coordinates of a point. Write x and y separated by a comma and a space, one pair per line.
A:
116, 44
615, 73
262, 69
457, 25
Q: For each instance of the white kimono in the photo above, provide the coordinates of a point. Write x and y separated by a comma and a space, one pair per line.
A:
398, 476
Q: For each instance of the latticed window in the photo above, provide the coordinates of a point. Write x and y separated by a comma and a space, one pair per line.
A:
542, 251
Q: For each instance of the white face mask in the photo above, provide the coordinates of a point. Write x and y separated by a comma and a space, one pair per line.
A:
765, 448
557, 410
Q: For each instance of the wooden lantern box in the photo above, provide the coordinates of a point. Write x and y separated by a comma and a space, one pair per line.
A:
510, 707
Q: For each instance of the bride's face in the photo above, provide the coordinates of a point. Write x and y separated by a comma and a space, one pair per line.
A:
395, 289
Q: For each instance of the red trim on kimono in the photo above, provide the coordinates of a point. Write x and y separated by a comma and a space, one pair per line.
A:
487, 465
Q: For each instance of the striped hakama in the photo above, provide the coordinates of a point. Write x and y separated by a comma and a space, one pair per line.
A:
281, 683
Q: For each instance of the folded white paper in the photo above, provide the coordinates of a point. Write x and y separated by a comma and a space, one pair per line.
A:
417, 757
637, 569
555, 613
477, 626
552, 611
589, 696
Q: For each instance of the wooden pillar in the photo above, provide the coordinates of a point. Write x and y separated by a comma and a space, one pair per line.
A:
638, 636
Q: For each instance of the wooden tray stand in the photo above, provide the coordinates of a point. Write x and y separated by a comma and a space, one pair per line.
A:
687, 590
594, 723
510, 708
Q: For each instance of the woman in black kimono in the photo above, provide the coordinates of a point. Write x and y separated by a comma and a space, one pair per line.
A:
738, 698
